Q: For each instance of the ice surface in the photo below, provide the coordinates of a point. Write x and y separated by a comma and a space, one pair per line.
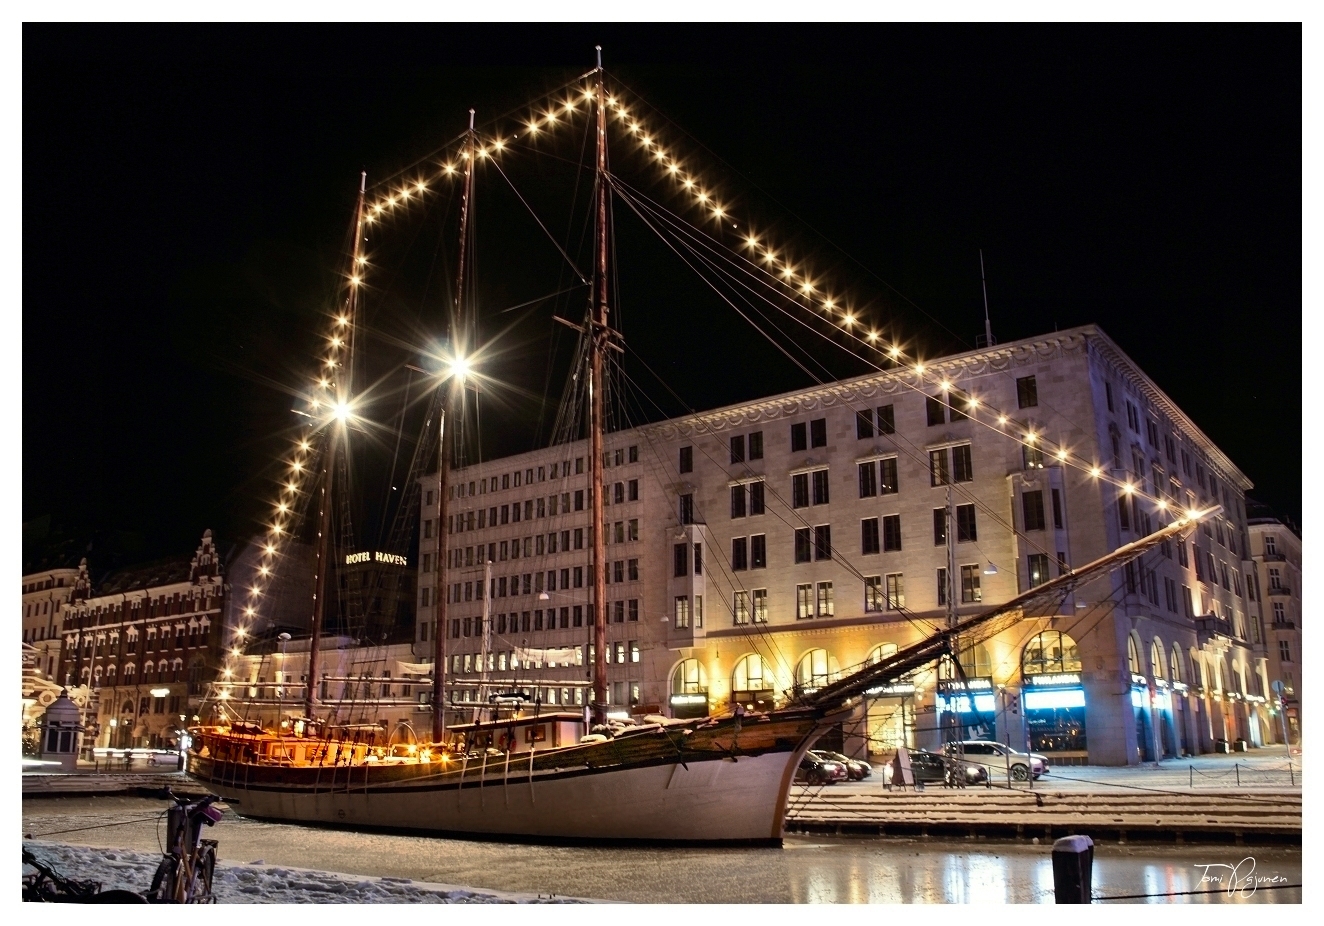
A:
258, 883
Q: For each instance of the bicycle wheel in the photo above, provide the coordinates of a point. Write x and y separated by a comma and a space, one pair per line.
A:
163, 882
204, 868
116, 896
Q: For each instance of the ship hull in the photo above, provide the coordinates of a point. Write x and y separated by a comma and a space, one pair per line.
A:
721, 793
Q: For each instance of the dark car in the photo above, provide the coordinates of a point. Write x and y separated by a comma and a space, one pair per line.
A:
933, 767
816, 771
856, 769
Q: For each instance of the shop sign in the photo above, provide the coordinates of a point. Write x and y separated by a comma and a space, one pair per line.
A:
1053, 681
974, 684
1053, 698
961, 704
679, 699
901, 688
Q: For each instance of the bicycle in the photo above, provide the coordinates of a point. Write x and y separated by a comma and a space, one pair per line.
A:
47, 886
185, 873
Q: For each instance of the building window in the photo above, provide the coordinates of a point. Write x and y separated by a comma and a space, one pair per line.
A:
820, 487
891, 533
1050, 653
896, 592
740, 608
804, 601
1038, 569
799, 437
1275, 580
687, 459
698, 559
963, 469
873, 593
1279, 613
818, 432
760, 605
1027, 392
886, 420
1284, 651
933, 408
868, 479
1032, 506
938, 467
1057, 513
970, 591
758, 551
942, 586
682, 611
1270, 545
802, 545
887, 482
864, 424
965, 524
739, 554
823, 542
738, 449
756, 497
738, 501
800, 490
869, 536
826, 607
686, 508
1031, 457
680, 558
939, 526
632, 609
756, 445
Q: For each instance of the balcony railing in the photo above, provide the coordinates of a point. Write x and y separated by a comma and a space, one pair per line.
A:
1283, 625
1280, 590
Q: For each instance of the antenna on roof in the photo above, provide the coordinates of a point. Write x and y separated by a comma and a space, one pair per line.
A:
989, 340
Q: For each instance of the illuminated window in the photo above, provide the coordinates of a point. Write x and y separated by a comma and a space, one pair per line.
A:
816, 669
689, 678
751, 674
1050, 653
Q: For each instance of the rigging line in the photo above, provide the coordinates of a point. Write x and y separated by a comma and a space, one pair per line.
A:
798, 218
781, 309
554, 242
916, 454
481, 128
722, 295
559, 292
916, 457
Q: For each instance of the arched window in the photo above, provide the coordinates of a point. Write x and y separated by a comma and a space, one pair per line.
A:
816, 669
1156, 657
126, 707
1174, 664
176, 669
148, 667
751, 674
879, 653
1050, 653
129, 669
96, 677
689, 678
1133, 656
1198, 674
110, 674
975, 662
1220, 674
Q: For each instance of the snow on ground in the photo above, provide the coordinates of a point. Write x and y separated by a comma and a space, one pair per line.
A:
259, 883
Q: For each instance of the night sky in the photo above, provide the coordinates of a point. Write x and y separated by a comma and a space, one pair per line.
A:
187, 192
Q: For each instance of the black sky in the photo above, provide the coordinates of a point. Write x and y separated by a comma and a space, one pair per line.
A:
186, 193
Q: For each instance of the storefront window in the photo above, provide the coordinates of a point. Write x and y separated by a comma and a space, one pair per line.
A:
975, 662
689, 678
1054, 696
1156, 657
1174, 664
816, 669
1133, 657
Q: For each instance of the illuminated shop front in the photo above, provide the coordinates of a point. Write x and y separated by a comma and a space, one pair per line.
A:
1053, 693
967, 709
689, 690
891, 720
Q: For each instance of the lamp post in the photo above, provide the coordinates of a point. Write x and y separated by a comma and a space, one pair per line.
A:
280, 688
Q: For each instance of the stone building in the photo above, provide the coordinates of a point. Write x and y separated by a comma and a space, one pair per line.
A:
768, 547
44, 595
1276, 551
147, 642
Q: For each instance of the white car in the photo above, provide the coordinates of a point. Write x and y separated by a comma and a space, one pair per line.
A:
998, 759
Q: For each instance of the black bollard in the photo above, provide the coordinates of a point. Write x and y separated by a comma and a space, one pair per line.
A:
1073, 863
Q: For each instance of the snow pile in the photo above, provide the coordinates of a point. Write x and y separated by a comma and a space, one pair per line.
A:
257, 883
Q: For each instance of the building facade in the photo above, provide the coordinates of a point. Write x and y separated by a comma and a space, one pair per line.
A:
763, 549
44, 596
147, 642
1276, 551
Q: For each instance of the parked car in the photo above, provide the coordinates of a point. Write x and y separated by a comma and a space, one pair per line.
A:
856, 769
997, 758
816, 771
932, 767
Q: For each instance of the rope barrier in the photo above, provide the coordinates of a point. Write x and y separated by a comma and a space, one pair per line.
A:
1231, 892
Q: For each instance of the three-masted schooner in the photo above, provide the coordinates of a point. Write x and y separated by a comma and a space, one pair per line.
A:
560, 775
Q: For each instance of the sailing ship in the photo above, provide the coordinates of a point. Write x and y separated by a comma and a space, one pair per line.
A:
546, 774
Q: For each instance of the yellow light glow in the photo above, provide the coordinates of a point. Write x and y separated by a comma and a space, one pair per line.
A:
250, 612
1163, 504
1061, 454
703, 197
354, 281
228, 673
282, 507
533, 127
848, 320
360, 260
1002, 419
340, 411
919, 368
303, 445
335, 342
1128, 488
687, 183
806, 287
1095, 472
751, 241
1192, 514
291, 486
873, 335
895, 352
264, 570
270, 549
420, 187
1030, 437
944, 385
972, 402
450, 168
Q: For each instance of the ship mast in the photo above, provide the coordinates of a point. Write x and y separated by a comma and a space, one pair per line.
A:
597, 345
344, 386
451, 385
